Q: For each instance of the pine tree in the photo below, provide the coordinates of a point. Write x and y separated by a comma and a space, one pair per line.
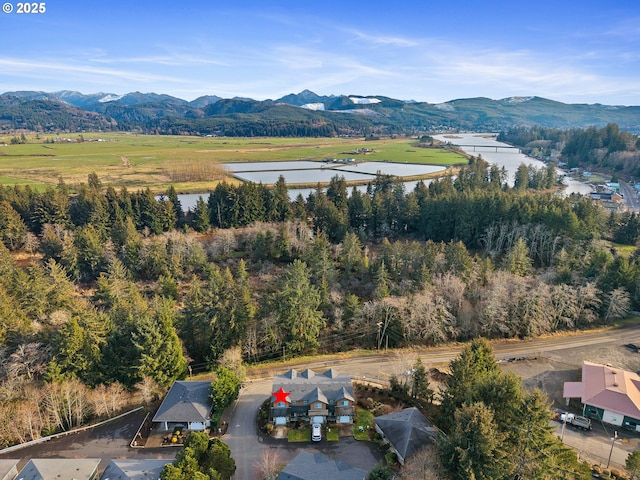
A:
297, 306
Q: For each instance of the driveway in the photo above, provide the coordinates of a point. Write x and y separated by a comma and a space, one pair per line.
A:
105, 442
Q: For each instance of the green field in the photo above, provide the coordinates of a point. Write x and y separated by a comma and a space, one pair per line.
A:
188, 163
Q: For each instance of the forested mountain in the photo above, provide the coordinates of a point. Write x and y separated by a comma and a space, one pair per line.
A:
295, 115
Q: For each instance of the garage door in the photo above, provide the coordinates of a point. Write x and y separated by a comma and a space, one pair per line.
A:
281, 420
196, 426
344, 419
317, 419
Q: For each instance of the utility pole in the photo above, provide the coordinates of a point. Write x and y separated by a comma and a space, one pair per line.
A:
284, 354
613, 439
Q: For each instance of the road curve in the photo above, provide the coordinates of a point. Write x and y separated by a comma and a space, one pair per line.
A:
246, 445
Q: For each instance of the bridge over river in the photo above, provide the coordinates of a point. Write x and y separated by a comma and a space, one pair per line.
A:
491, 148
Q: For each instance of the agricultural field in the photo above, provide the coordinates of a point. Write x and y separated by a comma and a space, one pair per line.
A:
190, 164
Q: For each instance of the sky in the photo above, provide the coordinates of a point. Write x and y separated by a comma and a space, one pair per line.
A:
566, 50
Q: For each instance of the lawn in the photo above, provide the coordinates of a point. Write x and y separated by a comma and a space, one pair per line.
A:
139, 161
333, 434
364, 421
300, 435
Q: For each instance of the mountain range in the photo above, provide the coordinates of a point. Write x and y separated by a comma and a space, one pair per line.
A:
302, 114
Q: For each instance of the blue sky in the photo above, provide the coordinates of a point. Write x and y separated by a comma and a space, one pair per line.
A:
566, 50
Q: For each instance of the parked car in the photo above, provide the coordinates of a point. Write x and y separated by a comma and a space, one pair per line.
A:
316, 432
633, 347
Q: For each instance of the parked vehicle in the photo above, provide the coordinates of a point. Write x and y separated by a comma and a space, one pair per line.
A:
633, 347
577, 421
316, 432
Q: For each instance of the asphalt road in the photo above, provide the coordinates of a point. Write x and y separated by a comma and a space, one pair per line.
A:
630, 197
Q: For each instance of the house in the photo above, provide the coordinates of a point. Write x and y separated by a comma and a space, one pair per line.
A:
406, 431
134, 469
310, 466
609, 394
58, 468
314, 397
187, 405
8, 469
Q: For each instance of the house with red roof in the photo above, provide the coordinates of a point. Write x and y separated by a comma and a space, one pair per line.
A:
312, 397
609, 394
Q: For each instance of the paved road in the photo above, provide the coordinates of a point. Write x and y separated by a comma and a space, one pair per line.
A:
630, 197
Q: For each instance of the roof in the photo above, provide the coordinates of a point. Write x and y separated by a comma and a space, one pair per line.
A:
407, 430
58, 468
607, 387
186, 402
310, 385
310, 466
8, 469
134, 469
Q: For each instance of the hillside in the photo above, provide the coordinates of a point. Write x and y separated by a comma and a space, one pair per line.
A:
302, 114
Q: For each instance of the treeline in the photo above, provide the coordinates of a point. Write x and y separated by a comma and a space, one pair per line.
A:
606, 149
112, 287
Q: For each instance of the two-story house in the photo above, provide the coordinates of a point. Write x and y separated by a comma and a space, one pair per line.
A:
313, 397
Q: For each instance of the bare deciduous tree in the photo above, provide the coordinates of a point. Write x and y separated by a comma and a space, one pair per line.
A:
268, 465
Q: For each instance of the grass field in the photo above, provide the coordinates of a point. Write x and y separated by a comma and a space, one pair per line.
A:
155, 161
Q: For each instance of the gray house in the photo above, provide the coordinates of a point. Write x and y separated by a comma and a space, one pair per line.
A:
309, 466
313, 397
58, 468
406, 431
188, 405
134, 469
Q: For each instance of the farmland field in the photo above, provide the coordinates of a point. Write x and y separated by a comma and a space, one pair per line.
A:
191, 164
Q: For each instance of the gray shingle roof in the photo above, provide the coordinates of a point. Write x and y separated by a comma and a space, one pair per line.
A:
309, 466
186, 402
8, 469
330, 385
58, 468
407, 430
134, 469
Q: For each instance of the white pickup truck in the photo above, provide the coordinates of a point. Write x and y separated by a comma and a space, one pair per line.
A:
576, 420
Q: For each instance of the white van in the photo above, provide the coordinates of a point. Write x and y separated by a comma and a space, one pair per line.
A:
316, 432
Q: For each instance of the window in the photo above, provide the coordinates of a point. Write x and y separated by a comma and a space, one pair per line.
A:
318, 405
344, 403
332, 401
306, 402
280, 404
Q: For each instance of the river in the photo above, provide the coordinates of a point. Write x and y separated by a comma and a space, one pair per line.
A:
472, 143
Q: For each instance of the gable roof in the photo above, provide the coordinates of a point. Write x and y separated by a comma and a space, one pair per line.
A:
310, 466
316, 395
58, 468
607, 387
407, 430
186, 402
134, 469
310, 385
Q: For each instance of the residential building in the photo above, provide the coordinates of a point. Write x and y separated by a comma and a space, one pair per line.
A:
406, 431
121, 469
313, 397
310, 466
60, 468
187, 405
609, 394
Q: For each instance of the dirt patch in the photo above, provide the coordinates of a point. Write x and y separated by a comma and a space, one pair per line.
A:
551, 370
